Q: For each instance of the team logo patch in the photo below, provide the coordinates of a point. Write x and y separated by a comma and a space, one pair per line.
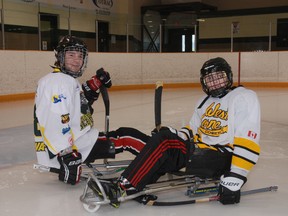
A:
58, 98
65, 130
252, 134
65, 118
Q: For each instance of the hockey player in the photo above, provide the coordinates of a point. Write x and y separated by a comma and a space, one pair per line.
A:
226, 128
63, 123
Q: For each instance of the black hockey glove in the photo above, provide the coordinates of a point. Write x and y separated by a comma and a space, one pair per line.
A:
90, 94
104, 77
229, 188
70, 167
101, 78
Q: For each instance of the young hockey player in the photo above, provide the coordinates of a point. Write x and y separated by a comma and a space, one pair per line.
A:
63, 123
226, 128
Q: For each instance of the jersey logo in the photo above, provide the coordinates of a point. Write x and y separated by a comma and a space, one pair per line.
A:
65, 130
40, 146
86, 120
58, 98
212, 121
65, 118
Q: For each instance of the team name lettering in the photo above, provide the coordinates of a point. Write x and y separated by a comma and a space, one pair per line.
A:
40, 146
216, 112
213, 119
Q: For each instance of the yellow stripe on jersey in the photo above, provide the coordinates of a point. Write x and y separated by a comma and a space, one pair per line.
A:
246, 153
202, 145
248, 144
46, 141
42, 129
244, 164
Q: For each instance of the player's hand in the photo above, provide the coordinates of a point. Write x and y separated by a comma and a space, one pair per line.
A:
229, 188
90, 94
70, 167
104, 77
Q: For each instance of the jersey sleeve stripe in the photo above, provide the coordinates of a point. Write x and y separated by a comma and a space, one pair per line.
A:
245, 158
247, 144
242, 163
246, 154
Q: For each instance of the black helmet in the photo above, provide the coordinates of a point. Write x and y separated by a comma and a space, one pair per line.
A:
220, 66
70, 43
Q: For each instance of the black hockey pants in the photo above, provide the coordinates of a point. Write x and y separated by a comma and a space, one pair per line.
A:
123, 139
165, 152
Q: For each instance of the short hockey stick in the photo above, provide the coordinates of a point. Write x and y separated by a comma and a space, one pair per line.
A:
212, 198
106, 101
45, 168
105, 97
157, 104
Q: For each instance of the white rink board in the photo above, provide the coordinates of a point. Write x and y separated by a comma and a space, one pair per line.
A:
26, 67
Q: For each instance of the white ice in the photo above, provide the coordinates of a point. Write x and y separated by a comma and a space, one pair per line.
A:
24, 191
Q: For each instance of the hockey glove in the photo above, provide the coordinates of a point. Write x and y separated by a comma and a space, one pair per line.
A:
104, 77
90, 95
70, 167
229, 188
101, 78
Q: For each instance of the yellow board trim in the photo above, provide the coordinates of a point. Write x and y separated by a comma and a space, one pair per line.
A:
26, 96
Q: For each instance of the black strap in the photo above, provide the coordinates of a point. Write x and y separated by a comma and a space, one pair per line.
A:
203, 102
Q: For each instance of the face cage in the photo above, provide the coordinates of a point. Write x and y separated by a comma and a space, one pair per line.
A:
61, 58
216, 83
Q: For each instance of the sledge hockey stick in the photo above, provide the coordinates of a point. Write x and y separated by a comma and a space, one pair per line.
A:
45, 168
105, 97
212, 198
157, 104
106, 101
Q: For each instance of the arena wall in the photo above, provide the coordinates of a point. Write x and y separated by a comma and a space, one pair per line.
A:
20, 70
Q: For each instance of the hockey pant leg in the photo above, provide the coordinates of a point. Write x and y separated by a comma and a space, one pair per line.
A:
164, 152
122, 139
208, 161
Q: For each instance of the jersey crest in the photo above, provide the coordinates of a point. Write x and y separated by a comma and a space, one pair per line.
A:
214, 121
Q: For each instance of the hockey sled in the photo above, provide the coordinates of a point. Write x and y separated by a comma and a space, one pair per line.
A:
197, 190
195, 186
107, 169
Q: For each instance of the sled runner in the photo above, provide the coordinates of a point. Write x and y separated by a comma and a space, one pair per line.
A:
200, 190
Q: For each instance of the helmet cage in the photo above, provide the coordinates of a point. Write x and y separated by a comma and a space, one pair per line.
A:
216, 83
61, 59
71, 43
216, 77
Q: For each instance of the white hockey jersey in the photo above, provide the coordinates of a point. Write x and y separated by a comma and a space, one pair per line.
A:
62, 118
232, 121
